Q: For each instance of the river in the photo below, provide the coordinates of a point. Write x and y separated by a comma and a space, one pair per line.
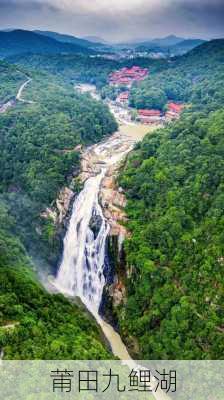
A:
81, 272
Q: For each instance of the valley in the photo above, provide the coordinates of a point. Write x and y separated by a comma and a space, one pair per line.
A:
152, 192
99, 204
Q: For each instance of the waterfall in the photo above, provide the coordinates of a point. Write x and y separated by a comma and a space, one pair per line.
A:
81, 270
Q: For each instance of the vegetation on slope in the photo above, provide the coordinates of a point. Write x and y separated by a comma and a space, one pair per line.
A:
21, 41
64, 38
174, 183
11, 79
38, 154
38, 157
40, 325
193, 78
81, 68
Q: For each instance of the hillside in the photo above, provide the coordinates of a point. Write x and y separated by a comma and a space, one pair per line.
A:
33, 323
11, 79
81, 68
185, 46
38, 158
70, 39
21, 41
193, 78
174, 185
33, 164
170, 40
212, 51
171, 45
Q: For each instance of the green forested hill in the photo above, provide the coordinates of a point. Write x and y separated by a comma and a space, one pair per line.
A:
37, 149
38, 158
64, 38
11, 79
193, 78
20, 41
82, 68
174, 182
40, 325
71, 67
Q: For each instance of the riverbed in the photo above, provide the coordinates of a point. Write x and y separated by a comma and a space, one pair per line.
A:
81, 272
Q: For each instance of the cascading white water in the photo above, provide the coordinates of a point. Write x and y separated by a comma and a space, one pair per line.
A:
81, 270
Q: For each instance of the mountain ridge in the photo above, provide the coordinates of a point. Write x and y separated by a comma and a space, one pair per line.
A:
66, 38
22, 41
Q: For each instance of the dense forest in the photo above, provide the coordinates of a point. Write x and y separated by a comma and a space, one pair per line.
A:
38, 157
20, 41
193, 78
33, 323
80, 68
174, 183
38, 143
11, 79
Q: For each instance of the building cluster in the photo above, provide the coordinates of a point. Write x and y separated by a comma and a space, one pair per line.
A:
152, 116
157, 116
127, 76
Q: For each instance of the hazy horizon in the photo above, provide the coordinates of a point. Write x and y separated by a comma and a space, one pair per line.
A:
88, 37
118, 22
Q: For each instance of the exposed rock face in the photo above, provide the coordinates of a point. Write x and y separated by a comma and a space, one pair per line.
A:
114, 294
117, 291
113, 202
95, 224
112, 199
63, 203
51, 214
89, 166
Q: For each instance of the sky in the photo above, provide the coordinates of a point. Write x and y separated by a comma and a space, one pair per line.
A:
117, 20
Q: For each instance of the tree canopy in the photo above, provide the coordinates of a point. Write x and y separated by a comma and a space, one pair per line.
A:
174, 183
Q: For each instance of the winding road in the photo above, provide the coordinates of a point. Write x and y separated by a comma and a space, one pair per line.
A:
4, 107
20, 92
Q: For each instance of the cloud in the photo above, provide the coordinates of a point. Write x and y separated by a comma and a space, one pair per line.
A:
117, 19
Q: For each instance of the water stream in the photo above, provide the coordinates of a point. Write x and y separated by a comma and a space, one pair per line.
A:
81, 272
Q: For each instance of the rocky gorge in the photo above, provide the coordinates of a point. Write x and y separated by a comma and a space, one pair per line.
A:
90, 214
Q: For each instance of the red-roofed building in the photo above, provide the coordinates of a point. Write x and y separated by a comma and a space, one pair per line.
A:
126, 76
174, 110
150, 116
